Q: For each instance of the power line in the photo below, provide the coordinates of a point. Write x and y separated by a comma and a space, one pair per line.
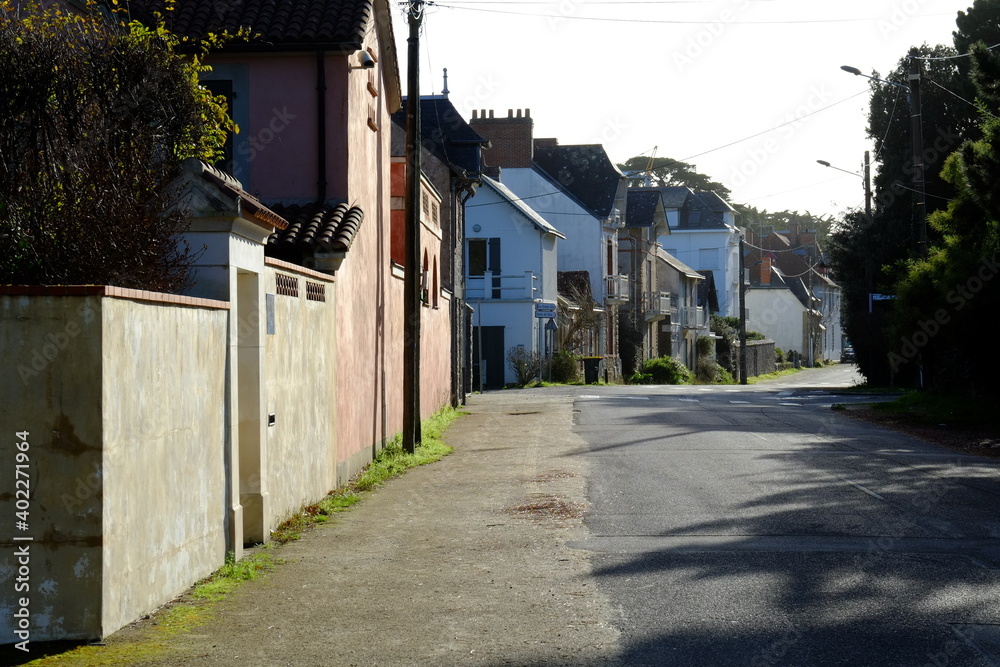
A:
960, 55
971, 104
450, 5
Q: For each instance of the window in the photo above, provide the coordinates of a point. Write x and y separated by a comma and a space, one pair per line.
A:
708, 258
286, 285
483, 256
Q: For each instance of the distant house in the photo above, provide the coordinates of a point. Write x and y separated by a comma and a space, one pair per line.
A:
649, 306
704, 236
791, 299
511, 254
679, 333
580, 191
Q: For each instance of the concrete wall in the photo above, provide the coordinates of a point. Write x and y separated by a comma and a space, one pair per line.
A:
300, 390
122, 395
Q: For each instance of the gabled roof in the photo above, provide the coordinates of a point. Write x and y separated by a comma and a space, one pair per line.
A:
678, 264
704, 210
641, 205
505, 193
585, 171
335, 23
446, 134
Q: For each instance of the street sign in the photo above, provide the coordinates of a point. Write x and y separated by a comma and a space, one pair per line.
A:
545, 313
544, 305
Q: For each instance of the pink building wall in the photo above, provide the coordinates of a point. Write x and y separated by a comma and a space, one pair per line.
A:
279, 145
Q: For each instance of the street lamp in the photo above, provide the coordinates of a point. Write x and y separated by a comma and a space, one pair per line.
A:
916, 139
866, 177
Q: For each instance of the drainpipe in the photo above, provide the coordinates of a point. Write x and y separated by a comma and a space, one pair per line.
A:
321, 126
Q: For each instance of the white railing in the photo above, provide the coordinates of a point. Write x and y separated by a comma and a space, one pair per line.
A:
657, 305
693, 317
515, 287
616, 289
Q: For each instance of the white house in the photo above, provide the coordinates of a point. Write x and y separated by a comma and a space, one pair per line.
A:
579, 190
781, 308
704, 236
511, 280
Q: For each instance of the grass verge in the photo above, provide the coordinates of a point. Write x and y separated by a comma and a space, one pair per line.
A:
928, 407
771, 376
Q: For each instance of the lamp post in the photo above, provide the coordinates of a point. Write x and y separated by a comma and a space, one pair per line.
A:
868, 219
916, 140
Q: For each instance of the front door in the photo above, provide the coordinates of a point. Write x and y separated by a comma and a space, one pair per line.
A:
487, 358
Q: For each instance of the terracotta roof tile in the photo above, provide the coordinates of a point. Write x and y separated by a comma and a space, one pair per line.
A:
314, 227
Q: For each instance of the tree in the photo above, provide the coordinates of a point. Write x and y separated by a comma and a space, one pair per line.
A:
945, 300
96, 114
872, 256
665, 172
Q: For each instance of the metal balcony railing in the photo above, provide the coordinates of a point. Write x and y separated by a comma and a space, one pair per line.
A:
516, 287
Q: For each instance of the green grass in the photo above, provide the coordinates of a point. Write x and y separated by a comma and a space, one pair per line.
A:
929, 407
232, 574
770, 376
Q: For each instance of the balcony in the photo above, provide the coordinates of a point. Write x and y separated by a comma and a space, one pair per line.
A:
515, 287
615, 289
656, 306
693, 317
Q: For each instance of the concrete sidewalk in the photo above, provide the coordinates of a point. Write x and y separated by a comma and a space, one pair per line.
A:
462, 562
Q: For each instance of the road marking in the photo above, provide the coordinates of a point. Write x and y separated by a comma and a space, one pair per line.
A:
792, 405
633, 398
589, 396
740, 402
868, 491
689, 400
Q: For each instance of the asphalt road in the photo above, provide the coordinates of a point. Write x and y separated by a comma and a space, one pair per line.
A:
756, 526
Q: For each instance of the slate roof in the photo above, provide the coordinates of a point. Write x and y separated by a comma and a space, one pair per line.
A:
446, 134
678, 264
641, 206
505, 193
570, 284
674, 197
335, 24
314, 227
585, 171
704, 210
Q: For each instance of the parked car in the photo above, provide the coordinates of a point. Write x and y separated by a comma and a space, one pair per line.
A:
847, 356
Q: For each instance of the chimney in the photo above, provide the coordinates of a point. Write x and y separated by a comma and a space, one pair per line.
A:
765, 272
510, 138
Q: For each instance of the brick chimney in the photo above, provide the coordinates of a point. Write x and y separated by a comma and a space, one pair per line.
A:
765, 272
510, 138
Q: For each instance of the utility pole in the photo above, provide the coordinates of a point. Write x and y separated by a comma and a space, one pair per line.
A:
868, 189
411, 277
743, 314
917, 139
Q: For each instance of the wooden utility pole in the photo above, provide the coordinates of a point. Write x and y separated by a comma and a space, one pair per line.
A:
917, 139
411, 278
743, 313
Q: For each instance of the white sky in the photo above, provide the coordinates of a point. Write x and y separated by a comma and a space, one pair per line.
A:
688, 76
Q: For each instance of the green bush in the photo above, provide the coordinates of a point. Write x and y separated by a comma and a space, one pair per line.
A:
666, 370
640, 378
705, 346
711, 372
565, 367
779, 355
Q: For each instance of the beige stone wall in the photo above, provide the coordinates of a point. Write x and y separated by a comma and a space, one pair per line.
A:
123, 402
51, 365
299, 357
164, 471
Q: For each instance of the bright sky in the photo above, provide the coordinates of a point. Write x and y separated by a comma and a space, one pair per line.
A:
688, 77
